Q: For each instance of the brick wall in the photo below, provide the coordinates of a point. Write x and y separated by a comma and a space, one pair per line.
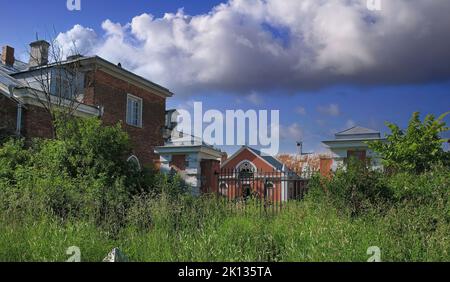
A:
179, 161
8, 116
36, 122
111, 93
105, 90
236, 189
325, 166
210, 170
249, 156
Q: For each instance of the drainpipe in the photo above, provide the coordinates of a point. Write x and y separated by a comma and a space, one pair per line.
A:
19, 119
19, 111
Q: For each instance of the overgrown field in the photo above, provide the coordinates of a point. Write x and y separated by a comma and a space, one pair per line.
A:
181, 228
77, 190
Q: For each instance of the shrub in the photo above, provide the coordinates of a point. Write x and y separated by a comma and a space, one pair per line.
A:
83, 173
354, 188
418, 148
430, 187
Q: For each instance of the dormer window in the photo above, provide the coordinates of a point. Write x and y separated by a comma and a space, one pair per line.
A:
134, 111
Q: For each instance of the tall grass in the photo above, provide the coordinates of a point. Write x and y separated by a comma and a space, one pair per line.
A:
188, 229
78, 190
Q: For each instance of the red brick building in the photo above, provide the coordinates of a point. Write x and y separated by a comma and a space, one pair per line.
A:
251, 173
106, 90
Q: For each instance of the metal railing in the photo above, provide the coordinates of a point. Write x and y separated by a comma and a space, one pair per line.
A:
266, 191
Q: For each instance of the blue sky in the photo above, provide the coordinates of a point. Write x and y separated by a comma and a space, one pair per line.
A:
366, 92
53, 15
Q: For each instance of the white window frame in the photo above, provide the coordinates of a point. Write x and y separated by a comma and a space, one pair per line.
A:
135, 159
128, 117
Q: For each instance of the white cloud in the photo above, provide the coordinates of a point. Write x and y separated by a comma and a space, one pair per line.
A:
247, 45
330, 110
292, 132
77, 40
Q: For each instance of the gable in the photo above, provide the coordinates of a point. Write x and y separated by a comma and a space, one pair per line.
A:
246, 154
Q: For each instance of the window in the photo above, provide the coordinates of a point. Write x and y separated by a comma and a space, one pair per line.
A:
246, 170
135, 161
134, 111
67, 84
357, 154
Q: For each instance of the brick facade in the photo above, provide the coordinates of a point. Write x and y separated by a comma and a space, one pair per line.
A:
238, 188
246, 155
107, 87
111, 93
8, 116
210, 171
36, 123
179, 161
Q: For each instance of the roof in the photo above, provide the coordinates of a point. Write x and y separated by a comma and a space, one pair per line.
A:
21, 67
357, 130
270, 159
7, 80
267, 158
17, 67
184, 139
127, 73
355, 134
187, 143
7, 83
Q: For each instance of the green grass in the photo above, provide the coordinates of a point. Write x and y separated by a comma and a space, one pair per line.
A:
200, 230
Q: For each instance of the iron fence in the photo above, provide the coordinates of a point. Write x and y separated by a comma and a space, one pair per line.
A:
266, 191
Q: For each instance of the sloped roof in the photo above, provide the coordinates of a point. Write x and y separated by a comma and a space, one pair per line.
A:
270, 159
107, 65
7, 82
356, 134
357, 130
17, 67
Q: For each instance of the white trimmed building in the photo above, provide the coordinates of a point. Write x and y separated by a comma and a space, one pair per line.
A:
353, 143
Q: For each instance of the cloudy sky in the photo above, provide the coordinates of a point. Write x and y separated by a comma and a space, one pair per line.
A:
325, 64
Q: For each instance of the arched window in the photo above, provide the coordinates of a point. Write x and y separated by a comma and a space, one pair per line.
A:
135, 161
246, 169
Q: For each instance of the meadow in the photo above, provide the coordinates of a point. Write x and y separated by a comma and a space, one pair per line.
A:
182, 228
78, 190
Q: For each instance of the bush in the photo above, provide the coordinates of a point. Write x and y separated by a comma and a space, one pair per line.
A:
79, 190
354, 189
417, 148
431, 187
83, 174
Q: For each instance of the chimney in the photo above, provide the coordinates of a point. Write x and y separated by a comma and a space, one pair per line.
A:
39, 53
224, 157
8, 56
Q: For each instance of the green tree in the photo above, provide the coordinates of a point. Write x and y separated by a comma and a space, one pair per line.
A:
417, 148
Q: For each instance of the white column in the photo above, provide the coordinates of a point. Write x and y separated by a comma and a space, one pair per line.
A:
165, 163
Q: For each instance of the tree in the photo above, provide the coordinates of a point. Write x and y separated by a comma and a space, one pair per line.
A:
54, 82
417, 148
